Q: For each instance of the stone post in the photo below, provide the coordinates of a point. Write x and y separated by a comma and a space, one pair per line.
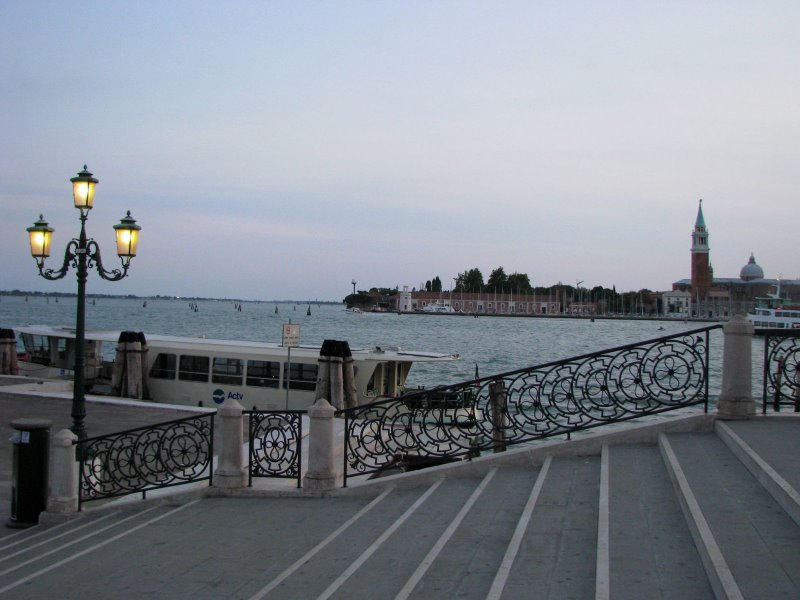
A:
62, 498
230, 472
736, 398
497, 397
321, 473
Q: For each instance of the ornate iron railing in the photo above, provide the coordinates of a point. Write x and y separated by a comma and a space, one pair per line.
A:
275, 446
781, 370
555, 398
147, 458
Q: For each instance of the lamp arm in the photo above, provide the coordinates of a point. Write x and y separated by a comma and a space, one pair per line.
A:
93, 254
69, 257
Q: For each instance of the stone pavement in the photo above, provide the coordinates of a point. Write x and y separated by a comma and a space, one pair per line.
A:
689, 509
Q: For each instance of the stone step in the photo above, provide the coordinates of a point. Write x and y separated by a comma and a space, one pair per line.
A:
468, 562
451, 546
768, 448
650, 553
558, 553
315, 565
750, 547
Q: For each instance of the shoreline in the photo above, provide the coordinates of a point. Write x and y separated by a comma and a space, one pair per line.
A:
563, 316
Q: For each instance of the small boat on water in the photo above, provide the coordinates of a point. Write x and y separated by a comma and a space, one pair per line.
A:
774, 313
189, 371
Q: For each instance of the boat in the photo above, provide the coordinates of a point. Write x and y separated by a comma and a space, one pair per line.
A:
200, 371
774, 313
438, 308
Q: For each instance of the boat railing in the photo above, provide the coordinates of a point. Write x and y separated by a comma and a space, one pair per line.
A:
275, 446
555, 398
781, 380
147, 458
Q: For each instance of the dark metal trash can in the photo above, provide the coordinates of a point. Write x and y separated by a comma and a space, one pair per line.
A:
31, 457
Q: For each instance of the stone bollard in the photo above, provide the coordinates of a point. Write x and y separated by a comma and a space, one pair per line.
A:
230, 472
62, 498
736, 399
8, 353
321, 474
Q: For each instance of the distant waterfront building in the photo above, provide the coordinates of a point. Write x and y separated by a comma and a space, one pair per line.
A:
706, 296
677, 303
475, 303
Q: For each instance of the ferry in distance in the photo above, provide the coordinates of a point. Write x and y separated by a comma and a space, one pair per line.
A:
773, 312
200, 371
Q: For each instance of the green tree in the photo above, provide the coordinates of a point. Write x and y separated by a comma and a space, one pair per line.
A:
436, 284
360, 300
519, 283
469, 281
498, 280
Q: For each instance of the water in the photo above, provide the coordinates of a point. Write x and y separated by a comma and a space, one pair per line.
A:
494, 344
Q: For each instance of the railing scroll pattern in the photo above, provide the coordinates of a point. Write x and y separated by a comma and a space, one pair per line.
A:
147, 458
555, 398
275, 446
781, 370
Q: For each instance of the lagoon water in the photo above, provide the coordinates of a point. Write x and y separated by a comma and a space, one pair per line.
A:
494, 344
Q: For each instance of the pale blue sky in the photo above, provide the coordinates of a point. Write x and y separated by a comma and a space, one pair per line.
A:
281, 149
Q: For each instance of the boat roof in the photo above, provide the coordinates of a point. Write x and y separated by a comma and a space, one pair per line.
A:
203, 344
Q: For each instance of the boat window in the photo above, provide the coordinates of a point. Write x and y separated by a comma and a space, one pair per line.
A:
193, 368
37, 347
227, 370
302, 376
262, 373
164, 366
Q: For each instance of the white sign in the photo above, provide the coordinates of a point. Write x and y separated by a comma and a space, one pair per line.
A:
291, 335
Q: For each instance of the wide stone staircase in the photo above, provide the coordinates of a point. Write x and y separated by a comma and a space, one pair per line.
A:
696, 515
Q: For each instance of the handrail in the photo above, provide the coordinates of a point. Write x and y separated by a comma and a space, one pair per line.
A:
553, 398
781, 381
146, 458
275, 446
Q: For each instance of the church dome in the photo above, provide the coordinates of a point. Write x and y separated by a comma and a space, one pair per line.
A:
751, 270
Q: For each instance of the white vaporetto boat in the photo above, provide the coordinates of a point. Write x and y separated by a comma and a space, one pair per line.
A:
774, 312
192, 371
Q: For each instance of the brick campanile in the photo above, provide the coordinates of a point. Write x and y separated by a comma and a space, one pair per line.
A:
701, 266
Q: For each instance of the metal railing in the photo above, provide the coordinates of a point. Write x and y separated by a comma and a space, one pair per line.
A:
519, 406
275, 444
781, 385
146, 458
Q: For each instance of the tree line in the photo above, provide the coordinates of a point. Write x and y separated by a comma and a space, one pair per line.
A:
472, 281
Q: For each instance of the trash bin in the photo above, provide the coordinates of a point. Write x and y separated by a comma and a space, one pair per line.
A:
31, 455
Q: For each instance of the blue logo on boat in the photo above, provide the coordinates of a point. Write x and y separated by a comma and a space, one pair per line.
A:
218, 396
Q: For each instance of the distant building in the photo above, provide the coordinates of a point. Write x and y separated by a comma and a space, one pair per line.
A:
474, 303
706, 296
677, 303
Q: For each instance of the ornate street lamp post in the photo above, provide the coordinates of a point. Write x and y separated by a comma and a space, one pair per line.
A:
82, 254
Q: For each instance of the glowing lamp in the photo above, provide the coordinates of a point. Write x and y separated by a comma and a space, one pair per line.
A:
83, 185
40, 234
127, 236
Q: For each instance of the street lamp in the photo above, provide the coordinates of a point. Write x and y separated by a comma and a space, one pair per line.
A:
83, 253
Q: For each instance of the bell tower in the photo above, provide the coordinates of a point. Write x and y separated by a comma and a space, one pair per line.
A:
702, 274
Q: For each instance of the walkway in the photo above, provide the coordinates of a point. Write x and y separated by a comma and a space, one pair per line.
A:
632, 515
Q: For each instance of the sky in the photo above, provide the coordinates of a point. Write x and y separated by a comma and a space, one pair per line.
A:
279, 150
